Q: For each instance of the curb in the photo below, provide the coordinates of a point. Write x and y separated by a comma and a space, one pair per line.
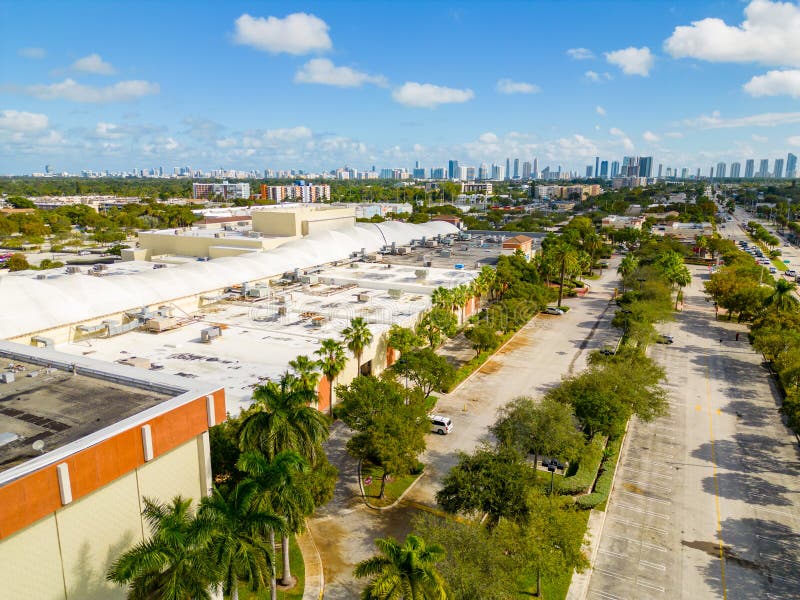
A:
393, 504
312, 594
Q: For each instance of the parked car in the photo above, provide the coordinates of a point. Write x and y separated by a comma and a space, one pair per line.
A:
664, 339
441, 425
552, 310
773, 270
791, 273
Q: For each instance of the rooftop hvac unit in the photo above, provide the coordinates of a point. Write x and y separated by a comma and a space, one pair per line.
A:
209, 333
395, 294
217, 235
283, 310
254, 234
7, 377
41, 276
431, 244
309, 279
258, 292
159, 266
363, 297
73, 269
100, 267
403, 250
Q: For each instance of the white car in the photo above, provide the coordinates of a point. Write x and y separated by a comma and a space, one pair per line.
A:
441, 425
552, 310
773, 270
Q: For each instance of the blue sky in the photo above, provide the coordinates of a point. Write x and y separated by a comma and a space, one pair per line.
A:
104, 85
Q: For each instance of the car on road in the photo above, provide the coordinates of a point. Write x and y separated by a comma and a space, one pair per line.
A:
552, 310
664, 339
441, 425
791, 273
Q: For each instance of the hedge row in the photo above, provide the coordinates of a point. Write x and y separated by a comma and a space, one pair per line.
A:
602, 487
588, 465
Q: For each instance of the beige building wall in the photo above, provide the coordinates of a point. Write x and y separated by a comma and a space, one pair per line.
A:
302, 220
65, 555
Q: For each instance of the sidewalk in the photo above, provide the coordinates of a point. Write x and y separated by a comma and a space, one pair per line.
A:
314, 578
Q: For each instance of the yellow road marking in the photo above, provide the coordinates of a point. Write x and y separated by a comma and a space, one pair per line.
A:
716, 481
698, 407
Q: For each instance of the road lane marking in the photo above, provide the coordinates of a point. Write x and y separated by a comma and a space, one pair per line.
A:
716, 481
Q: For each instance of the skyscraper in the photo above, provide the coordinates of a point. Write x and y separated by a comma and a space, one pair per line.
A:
604, 169
596, 166
526, 170
516, 168
684, 173
535, 168
763, 168
791, 166
660, 169
646, 166
498, 172
777, 171
589, 170
721, 167
749, 168
508, 169
483, 171
736, 170
614, 168
452, 169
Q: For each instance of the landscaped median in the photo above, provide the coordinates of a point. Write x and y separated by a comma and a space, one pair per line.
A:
370, 480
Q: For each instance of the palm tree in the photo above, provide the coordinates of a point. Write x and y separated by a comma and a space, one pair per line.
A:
285, 420
284, 490
460, 296
358, 336
442, 297
592, 244
239, 543
175, 562
564, 255
332, 362
306, 371
782, 296
406, 572
626, 268
485, 281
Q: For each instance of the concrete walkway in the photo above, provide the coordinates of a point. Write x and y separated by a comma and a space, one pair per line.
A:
314, 577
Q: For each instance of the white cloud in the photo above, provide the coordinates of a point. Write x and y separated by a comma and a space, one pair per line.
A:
289, 134
793, 140
69, 89
323, 71
775, 83
616, 131
34, 53
673, 134
93, 64
297, 33
768, 35
580, 53
14, 120
108, 130
592, 76
506, 86
761, 139
651, 137
632, 61
427, 95
488, 138
716, 121
627, 143
600, 111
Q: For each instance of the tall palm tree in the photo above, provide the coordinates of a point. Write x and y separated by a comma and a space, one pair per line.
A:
284, 490
485, 281
782, 296
460, 296
242, 528
592, 244
332, 361
565, 256
406, 572
175, 562
626, 268
285, 421
306, 371
358, 336
442, 297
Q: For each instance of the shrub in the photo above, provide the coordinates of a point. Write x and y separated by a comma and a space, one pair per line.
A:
602, 487
587, 467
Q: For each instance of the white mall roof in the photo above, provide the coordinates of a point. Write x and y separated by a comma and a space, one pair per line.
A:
28, 305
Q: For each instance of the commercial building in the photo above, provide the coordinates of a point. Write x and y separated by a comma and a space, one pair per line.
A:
721, 167
305, 193
484, 187
620, 222
604, 169
645, 166
220, 191
736, 169
628, 182
614, 168
777, 171
85, 442
791, 165
749, 168
763, 168
518, 243
452, 169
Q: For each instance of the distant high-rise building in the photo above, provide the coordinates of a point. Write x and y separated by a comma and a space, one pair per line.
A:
483, 171
791, 166
462, 173
630, 166
777, 171
418, 172
749, 168
596, 166
721, 167
698, 173
614, 168
526, 170
646, 166
452, 169
535, 168
508, 169
736, 170
516, 168
498, 172
711, 172
589, 171
438, 173
660, 169
470, 173
603, 170
684, 173
763, 168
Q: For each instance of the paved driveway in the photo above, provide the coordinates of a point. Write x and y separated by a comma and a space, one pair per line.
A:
534, 360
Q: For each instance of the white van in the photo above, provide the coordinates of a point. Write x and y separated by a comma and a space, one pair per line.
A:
441, 425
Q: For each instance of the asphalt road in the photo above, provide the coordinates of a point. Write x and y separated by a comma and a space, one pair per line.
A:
706, 503
544, 350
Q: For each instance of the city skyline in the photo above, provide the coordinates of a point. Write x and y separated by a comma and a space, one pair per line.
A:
335, 84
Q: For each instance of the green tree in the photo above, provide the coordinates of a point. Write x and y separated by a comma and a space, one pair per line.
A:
548, 428
17, 262
241, 529
436, 324
390, 424
783, 296
565, 256
428, 370
483, 336
496, 482
332, 360
406, 572
175, 561
627, 267
306, 372
402, 339
358, 336
283, 420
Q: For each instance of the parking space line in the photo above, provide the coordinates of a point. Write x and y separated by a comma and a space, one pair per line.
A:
650, 585
779, 558
648, 484
634, 524
643, 511
643, 496
658, 463
607, 595
648, 472
617, 554
651, 565
776, 512
613, 574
